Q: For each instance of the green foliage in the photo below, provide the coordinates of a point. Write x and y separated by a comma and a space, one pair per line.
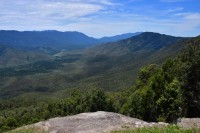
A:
95, 100
191, 78
170, 91
85, 69
33, 68
27, 130
76, 102
162, 93
170, 102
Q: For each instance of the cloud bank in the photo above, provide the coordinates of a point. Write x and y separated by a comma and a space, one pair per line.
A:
102, 17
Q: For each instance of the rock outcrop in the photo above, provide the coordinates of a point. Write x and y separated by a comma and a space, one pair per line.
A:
96, 122
189, 122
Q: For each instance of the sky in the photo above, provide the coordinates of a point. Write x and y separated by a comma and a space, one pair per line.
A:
98, 18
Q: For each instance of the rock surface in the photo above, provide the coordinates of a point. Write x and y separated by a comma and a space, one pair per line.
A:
96, 122
189, 122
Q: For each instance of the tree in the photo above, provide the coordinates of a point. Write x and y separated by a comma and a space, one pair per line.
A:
11, 122
98, 100
191, 78
170, 102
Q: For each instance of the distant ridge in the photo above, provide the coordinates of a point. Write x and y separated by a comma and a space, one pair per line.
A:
111, 66
144, 42
68, 40
119, 37
55, 39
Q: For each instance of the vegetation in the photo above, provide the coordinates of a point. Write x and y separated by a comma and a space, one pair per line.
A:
169, 129
28, 39
170, 91
161, 93
33, 68
27, 130
95, 67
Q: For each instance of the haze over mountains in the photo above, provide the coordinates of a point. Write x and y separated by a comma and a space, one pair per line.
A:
145, 42
43, 80
110, 66
119, 37
64, 57
56, 39
29, 46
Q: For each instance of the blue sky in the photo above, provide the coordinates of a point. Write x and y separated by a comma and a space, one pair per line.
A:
99, 18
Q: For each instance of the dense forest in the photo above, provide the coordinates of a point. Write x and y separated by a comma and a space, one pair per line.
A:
161, 93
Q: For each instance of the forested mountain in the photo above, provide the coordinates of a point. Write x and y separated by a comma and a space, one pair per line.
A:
162, 92
19, 48
145, 42
14, 54
54, 39
118, 37
117, 64
68, 40
13, 57
110, 66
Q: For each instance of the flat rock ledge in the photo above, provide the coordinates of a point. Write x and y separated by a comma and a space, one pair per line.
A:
97, 122
189, 122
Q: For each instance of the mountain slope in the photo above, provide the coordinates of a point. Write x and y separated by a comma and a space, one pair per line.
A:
117, 64
13, 57
68, 40
119, 37
43, 90
110, 66
54, 39
145, 42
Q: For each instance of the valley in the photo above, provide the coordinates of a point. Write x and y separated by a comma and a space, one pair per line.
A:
110, 66
93, 66
118, 76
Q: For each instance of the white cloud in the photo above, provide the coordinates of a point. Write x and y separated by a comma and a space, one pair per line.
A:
96, 17
20, 11
54, 11
190, 21
175, 9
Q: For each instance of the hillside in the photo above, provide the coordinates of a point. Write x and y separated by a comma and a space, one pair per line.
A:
145, 42
118, 37
110, 66
53, 39
13, 57
99, 66
19, 48
161, 92
68, 40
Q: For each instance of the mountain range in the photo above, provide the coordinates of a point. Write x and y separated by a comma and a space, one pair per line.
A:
19, 48
119, 37
110, 66
54, 39
129, 76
